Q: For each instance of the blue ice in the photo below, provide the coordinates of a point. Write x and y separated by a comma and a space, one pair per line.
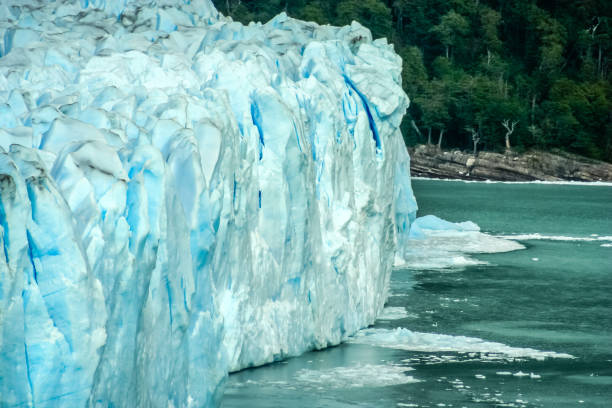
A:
183, 196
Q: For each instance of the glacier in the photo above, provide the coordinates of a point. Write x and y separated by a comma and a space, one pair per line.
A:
182, 196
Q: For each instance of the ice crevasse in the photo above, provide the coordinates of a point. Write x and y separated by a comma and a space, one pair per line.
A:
182, 196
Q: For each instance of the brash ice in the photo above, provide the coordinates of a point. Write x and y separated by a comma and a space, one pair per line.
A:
183, 196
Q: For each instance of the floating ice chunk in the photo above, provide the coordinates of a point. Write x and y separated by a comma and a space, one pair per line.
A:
393, 313
428, 223
434, 259
404, 339
537, 236
435, 243
358, 376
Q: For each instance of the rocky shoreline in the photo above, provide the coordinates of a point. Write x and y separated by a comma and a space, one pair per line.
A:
428, 161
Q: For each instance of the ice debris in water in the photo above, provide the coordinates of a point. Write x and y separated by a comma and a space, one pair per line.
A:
393, 313
434, 243
537, 236
183, 195
404, 339
367, 375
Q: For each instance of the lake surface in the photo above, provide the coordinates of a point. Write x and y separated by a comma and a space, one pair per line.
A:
529, 328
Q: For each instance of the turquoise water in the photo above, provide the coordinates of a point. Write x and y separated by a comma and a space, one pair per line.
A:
554, 296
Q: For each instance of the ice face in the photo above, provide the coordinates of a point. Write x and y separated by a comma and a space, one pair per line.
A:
183, 196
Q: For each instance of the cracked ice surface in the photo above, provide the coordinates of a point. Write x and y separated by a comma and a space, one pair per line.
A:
183, 196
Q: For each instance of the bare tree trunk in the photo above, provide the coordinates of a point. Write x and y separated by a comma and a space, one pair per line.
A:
475, 139
509, 131
416, 128
400, 19
447, 52
227, 7
599, 70
440, 136
428, 136
533, 103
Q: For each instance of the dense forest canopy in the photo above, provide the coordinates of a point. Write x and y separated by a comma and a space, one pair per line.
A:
516, 74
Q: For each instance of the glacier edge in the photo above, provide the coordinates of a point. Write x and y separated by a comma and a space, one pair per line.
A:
182, 196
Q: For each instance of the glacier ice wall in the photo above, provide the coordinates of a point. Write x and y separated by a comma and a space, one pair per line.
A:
182, 196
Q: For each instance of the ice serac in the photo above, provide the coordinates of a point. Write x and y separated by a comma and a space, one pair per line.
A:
183, 196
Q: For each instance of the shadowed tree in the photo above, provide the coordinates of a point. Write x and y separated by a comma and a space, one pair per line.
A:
449, 31
373, 14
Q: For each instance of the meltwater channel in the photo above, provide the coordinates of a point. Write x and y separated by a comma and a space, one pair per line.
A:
528, 328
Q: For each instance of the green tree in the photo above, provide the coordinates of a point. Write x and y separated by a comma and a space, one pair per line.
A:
452, 27
489, 23
435, 103
373, 14
316, 11
577, 116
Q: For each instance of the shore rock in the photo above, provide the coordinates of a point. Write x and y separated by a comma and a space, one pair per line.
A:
428, 161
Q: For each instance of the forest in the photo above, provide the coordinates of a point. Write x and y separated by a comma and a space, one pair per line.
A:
514, 75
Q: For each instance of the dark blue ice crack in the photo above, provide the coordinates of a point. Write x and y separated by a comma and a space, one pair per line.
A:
25, 297
184, 295
256, 118
366, 106
4, 224
31, 256
234, 192
169, 290
297, 136
27, 361
8, 41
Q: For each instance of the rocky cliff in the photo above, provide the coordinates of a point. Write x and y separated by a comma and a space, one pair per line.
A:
428, 161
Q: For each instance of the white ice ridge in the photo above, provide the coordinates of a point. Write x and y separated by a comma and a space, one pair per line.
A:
404, 339
393, 313
537, 236
183, 196
433, 243
367, 375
